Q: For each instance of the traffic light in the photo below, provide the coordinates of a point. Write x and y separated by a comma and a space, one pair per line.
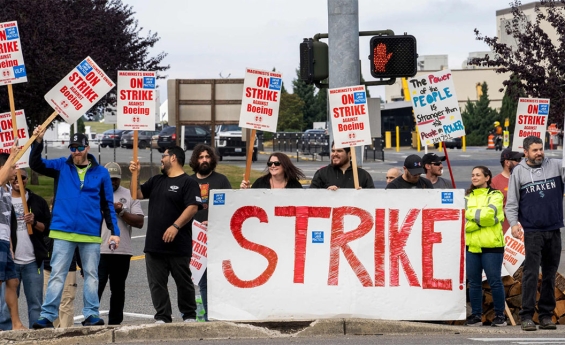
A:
314, 62
393, 56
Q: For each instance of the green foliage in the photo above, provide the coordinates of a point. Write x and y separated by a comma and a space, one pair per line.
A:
510, 103
306, 93
478, 119
290, 113
321, 105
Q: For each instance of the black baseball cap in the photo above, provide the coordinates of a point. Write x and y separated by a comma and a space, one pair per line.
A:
510, 155
79, 139
414, 164
430, 158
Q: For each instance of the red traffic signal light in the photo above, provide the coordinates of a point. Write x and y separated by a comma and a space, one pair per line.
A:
393, 56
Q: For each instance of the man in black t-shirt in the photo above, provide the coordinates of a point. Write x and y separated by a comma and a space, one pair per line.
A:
174, 199
203, 162
411, 178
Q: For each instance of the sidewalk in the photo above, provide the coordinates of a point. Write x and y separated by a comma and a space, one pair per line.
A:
232, 330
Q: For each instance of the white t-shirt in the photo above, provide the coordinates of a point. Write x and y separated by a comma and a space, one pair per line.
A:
5, 213
24, 249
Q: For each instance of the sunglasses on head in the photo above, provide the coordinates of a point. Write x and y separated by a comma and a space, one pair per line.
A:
277, 163
436, 163
79, 148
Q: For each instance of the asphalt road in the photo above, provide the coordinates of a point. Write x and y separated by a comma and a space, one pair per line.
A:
138, 306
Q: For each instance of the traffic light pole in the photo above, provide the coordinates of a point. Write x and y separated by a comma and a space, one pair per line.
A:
343, 51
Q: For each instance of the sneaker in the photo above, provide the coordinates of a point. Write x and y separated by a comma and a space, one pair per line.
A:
42, 323
474, 321
159, 321
547, 323
499, 321
189, 320
93, 320
528, 325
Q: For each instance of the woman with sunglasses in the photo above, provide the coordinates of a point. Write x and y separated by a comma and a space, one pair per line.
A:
281, 173
485, 245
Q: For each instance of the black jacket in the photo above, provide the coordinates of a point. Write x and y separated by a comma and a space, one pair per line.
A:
41, 213
333, 176
265, 182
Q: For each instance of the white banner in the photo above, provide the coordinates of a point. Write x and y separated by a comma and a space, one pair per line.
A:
12, 68
531, 119
261, 100
81, 89
137, 100
199, 259
436, 107
302, 254
350, 116
7, 135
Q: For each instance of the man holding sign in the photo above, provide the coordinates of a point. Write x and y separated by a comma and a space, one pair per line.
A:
83, 198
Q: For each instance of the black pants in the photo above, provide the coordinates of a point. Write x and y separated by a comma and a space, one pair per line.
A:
115, 267
542, 248
158, 269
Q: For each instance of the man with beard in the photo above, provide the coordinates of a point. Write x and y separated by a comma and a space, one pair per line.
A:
203, 162
411, 178
535, 212
433, 168
174, 199
83, 198
508, 159
339, 173
114, 263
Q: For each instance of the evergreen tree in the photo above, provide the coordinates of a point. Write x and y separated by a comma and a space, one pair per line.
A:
321, 104
478, 119
290, 113
510, 104
306, 94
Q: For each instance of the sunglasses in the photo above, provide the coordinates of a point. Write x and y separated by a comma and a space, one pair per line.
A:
23, 178
79, 148
270, 164
163, 156
436, 163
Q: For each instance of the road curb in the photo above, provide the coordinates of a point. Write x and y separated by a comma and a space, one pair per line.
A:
242, 330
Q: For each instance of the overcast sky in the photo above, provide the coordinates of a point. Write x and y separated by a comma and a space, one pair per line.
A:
207, 37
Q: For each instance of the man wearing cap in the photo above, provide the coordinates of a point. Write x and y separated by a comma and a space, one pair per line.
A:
83, 197
433, 167
339, 173
411, 178
508, 159
114, 263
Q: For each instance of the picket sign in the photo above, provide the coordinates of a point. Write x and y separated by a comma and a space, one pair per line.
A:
199, 260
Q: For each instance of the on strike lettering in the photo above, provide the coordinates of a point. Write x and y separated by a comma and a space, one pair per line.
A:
83, 86
9, 47
339, 243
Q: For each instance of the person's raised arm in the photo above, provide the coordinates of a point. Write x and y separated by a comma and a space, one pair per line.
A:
135, 166
6, 170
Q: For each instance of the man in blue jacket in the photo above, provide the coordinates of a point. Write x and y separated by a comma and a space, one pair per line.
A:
83, 198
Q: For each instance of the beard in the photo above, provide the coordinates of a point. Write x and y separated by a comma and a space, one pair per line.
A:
204, 168
165, 169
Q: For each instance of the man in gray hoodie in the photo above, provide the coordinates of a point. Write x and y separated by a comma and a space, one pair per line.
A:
534, 209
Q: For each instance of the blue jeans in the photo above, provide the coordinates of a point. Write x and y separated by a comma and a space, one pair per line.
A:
60, 262
31, 277
491, 263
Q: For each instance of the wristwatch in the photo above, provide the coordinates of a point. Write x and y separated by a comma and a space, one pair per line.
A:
176, 226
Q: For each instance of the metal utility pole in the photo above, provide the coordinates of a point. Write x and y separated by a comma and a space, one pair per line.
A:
343, 49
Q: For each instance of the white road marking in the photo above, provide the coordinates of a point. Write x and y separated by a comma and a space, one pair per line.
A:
105, 312
138, 237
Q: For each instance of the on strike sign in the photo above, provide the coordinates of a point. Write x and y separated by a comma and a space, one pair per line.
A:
283, 254
531, 119
350, 116
136, 100
199, 260
261, 100
436, 108
7, 135
12, 69
79, 90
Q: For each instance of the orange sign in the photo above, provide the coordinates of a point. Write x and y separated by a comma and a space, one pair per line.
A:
552, 129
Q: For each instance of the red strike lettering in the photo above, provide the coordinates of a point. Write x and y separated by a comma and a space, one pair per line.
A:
340, 240
266, 95
531, 120
9, 47
236, 223
136, 95
302, 215
83, 87
350, 110
397, 240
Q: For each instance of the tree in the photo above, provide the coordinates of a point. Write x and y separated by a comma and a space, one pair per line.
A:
321, 105
510, 104
57, 35
479, 118
537, 64
306, 93
290, 113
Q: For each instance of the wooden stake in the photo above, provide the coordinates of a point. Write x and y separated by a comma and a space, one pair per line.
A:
18, 173
33, 137
251, 141
354, 167
512, 322
133, 184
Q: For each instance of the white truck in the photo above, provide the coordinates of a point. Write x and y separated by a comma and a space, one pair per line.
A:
229, 143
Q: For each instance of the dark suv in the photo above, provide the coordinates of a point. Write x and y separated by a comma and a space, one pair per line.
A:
193, 134
143, 139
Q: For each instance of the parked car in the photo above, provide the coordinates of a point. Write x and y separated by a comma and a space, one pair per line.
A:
112, 137
193, 134
452, 143
313, 136
143, 139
